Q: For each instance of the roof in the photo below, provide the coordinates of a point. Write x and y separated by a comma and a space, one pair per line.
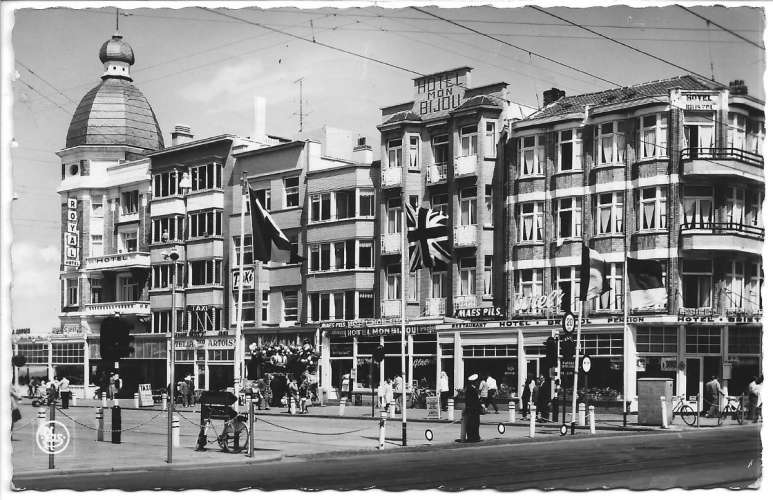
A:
402, 117
116, 49
479, 100
576, 104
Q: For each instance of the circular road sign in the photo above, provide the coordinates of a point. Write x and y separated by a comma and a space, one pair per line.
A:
428, 435
586, 364
569, 322
563, 430
501, 428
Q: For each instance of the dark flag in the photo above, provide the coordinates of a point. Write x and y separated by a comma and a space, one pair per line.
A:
645, 281
264, 231
427, 237
593, 274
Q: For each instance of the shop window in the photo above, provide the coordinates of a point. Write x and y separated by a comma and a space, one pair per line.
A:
612, 299
530, 222
393, 282
653, 212
468, 137
609, 213
440, 149
656, 339
653, 136
68, 354
467, 276
609, 144
206, 223
601, 344
290, 305
703, 340
698, 207
394, 214
468, 201
569, 150
221, 354
208, 176
291, 189
35, 353
130, 202
696, 283
569, 217
532, 155
742, 340
367, 203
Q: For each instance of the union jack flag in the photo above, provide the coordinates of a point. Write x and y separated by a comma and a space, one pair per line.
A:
427, 237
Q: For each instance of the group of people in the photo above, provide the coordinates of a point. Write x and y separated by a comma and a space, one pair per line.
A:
390, 392
713, 389
300, 389
52, 390
184, 391
538, 392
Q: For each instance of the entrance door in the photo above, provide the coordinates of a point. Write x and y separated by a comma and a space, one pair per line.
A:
532, 367
693, 378
220, 377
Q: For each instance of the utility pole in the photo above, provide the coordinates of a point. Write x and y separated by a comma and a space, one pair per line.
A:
300, 113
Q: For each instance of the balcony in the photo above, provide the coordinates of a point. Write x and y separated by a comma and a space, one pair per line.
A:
434, 307
390, 308
465, 165
722, 236
118, 261
139, 308
465, 301
722, 162
465, 236
391, 177
437, 173
391, 243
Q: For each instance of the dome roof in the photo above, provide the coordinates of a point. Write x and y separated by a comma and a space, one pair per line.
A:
116, 49
115, 112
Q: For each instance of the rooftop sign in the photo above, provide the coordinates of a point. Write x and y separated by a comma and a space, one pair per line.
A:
440, 93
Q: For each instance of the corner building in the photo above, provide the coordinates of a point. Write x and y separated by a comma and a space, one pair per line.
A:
671, 171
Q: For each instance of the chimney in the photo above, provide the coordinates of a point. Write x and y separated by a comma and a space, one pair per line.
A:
738, 87
259, 123
551, 96
362, 152
181, 134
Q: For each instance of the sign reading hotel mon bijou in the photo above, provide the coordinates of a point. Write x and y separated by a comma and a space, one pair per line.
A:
439, 94
371, 329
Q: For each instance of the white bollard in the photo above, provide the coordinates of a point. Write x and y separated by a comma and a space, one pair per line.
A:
164, 398
136, 399
247, 401
663, 412
592, 419
341, 406
100, 424
532, 420
104, 400
175, 431
450, 410
511, 409
293, 409
74, 401
581, 415
41, 416
382, 430
391, 409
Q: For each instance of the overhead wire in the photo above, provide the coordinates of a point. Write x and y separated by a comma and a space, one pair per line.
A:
68, 113
45, 81
728, 30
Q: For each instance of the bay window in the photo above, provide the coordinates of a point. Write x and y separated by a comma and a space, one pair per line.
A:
345, 204
653, 212
162, 275
170, 224
530, 222
467, 276
696, 283
753, 208
365, 305
468, 201
204, 318
735, 285
394, 216
653, 136
367, 203
755, 136
208, 176
395, 153
320, 207
205, 272
568, 212
205, 223
609, 143
736, 131
699, 133
130, 202
734, 208
569, 151
468, 137
609, 213
414, 147
165, 184
365, 254
698, 207
756, 277
532, 154
490, 149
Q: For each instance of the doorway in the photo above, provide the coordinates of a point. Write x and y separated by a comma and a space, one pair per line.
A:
698, 371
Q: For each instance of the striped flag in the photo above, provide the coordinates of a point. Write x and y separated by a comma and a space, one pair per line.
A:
264, 231
427, 237
646, 284
593, 274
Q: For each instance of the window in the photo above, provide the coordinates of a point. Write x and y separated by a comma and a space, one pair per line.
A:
755, 286
653, 212
661, 339
393, 282
171, 224
314, 304
345, 204
468, 201
412, 287
755, 136
264, 304
96, 245
290, 305
569, 151
612, 299
205, 223
248, 306
162, 321
295, 257
320, 207
414, 160
264, 197
531, 222
130, 201
568, 217
394, 215
703, 340
532, 154
488, 268
127, 241
367, 203
247, 250
206, 272
529, 284
440, 149
467, 276
698, 207
292, 196
128, 290
395, 153
653, 136
162, 275
208, 176
487, 200
365, 254
696, 283
96, 290
365, 304
67, 354
699, 133
736, 131
97, 210
610, 144
204, 318
490, 149
165, 184
314, 257
469, 140
568, 282
753, 208
440, 203
609, 213
744, 340
734, 290
439, 279
735, 204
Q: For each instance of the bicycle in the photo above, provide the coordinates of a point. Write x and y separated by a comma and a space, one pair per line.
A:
688, 414
232, 439
733, 406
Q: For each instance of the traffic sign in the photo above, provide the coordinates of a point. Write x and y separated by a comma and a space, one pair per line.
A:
586, 364
569, 322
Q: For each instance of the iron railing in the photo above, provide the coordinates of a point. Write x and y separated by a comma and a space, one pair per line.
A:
723, 154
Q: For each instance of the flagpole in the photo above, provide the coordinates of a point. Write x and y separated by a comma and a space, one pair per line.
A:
239, 361
576, 364
403, 263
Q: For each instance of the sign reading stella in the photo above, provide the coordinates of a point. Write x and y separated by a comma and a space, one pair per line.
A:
441, 92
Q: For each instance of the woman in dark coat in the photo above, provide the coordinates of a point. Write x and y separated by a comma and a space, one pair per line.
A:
526, 396
472, 410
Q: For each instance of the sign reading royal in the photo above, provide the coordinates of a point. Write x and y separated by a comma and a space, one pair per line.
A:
440, 93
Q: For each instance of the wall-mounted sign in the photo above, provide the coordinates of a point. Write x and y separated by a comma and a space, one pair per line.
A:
376, 331
668, 364
441, 93
538, 302
221, 342
480, 313
698, 102
71, 236
249, 278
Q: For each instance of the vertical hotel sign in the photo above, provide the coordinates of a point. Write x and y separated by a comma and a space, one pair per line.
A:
71, 237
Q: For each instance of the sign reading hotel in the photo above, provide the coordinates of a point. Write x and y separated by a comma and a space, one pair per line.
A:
440, 93
71, 236
699, 102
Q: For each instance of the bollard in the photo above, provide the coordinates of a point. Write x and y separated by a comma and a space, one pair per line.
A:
74, 401
592, 419
663, 413
136, 399
251, 407
532, 420
450, 410
463, 431
52, 427
382, 430
511, 409
175, 431
554, 403
626, 407
100, 424
163, 402
293, 409
104, 400
41, 416
116, 423
392, 406
341, 406
581, 415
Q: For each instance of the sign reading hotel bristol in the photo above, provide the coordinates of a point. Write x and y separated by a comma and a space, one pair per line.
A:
440, 93
71, 236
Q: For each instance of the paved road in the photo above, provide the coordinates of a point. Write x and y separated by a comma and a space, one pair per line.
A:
723, 457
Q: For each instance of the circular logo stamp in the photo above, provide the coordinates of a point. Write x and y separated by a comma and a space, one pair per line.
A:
52, 437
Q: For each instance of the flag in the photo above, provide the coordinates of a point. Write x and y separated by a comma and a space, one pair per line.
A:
646, 284
593, 274
427, 237
264, 231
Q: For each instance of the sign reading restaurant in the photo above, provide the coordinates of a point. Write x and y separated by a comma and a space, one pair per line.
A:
440, 93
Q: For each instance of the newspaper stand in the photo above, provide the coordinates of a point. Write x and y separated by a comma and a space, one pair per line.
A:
219, 406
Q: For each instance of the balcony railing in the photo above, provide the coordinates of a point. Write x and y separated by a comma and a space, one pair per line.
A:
465, 236
391, 243
123, 307
390, 308
118, 260
435, 307
465, 165
391, 176
465, 301
725, 228
723, 154
437, 173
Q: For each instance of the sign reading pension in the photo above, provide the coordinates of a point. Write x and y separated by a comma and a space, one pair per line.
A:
440, 93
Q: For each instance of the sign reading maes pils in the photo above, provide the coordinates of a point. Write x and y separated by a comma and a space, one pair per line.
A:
71, 237
440, 93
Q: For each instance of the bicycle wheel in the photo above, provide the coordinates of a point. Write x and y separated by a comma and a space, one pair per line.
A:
234, 438
739, 417
688, 415
722, 415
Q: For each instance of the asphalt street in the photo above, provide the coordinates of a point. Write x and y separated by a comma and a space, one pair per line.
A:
728, 456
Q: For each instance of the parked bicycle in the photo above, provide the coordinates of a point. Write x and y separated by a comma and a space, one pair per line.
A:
733, 407
687, 412
233, 438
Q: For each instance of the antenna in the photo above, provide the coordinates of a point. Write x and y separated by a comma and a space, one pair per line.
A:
300, 112
116, 19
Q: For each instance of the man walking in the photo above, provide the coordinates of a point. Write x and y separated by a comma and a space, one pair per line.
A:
443, 389
64, 392
526, 396
491, 391
711, 398
543, 399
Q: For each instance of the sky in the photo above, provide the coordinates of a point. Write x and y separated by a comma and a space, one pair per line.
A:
202, 69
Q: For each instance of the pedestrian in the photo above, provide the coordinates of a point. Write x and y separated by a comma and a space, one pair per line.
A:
191, 391
491, 386
52, 390
483, 393
543, 399
260, 390
114, 386
755, 402
275, 386
184, 390
711, 397
303, 393
472, 410
526, 395
15, 411
292, 393
443, 389
64, 392
397, 386
389, 393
